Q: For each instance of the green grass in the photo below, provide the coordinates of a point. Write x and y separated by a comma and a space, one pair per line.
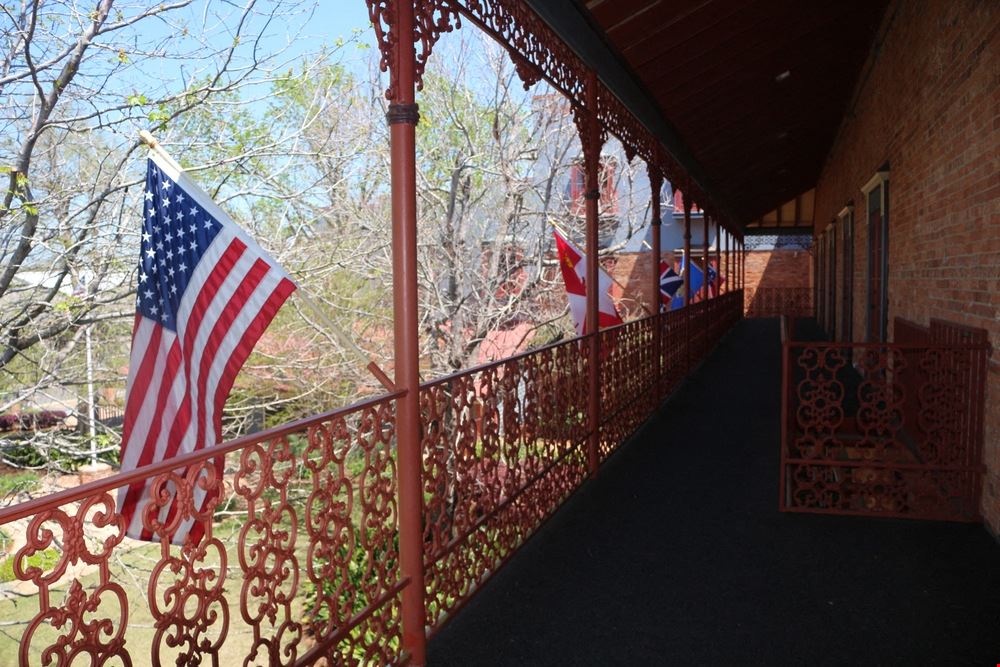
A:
46, 560
18, 481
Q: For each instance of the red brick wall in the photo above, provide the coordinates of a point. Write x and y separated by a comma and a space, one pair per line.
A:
632, 272
927, 103
778, 268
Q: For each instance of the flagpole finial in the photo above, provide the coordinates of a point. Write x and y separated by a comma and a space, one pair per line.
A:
147, 138
154, 145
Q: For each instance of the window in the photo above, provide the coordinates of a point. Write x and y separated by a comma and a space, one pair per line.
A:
846, 218
577, 187
876, 193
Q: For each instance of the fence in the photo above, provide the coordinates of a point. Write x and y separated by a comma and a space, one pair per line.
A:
790, 302
889, 429
297, 558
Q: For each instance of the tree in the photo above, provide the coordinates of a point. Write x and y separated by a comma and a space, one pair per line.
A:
77, 86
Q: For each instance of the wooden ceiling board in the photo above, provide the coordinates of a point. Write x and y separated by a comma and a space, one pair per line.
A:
711, 67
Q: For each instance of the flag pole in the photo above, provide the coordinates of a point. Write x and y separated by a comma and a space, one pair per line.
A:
624, 289
157, 147
345, 340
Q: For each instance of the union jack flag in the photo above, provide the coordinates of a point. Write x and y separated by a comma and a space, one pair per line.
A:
205, 295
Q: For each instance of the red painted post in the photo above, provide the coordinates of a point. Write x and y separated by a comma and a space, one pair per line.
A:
655, 185
704, 252
743, 260
729, 277
402, 118
590, 138
718, 258
687, 247
686, 285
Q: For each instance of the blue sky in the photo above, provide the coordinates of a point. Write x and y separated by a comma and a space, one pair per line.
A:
339, 17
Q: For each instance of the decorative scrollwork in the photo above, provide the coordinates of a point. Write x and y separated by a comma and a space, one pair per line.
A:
431, 19
80, 631
592, 139
267, 552
186, 586
893, 435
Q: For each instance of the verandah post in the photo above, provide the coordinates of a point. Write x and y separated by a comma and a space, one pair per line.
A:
655, 185
686, 285
704, 254
730, 279
743, 269
718, 258
591, 140
402, 117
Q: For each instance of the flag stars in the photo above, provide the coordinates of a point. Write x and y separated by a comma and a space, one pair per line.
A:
149, 195
145, 237
148, 294
193, 246
150, 253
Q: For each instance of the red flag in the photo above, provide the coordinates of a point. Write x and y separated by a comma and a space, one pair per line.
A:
573, 264
206, 293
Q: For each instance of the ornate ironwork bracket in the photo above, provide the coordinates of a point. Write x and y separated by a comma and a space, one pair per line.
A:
431, 19
655, 186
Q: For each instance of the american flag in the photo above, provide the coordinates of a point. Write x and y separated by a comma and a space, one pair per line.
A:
206, 292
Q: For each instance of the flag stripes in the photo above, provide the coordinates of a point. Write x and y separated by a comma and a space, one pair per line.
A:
207, 292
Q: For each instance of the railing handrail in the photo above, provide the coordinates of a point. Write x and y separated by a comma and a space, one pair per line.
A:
120, 479
549, 346
22, 509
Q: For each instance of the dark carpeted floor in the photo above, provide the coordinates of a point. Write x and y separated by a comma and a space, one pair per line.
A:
677, 554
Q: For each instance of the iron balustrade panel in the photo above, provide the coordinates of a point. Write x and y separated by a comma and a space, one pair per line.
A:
503, 446
628, 378
889, 429
290, 554
697, 334
673, 348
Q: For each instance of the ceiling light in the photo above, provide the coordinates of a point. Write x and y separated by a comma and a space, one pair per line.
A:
783, 76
